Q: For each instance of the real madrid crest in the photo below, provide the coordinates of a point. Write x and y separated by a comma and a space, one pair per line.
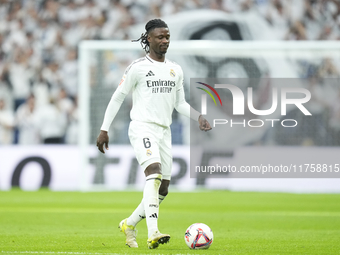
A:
148, 153
172, 73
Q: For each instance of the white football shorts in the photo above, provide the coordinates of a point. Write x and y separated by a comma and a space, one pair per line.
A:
152, 144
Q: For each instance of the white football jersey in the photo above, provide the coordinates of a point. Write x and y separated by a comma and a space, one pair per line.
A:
154, 85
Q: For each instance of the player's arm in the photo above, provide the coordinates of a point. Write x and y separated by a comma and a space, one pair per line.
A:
184, 108
114, 105
110, 113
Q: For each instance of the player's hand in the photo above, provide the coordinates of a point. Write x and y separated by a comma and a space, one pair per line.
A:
103, 139
203, 124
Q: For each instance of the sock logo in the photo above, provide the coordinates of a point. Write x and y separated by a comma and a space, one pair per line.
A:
154, 215
143, 217
153, 205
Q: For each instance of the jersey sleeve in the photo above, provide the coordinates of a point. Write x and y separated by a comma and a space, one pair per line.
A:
129, 79
181, 105
127, 82
180, 79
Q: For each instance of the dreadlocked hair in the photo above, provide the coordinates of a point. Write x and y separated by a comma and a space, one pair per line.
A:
151, 25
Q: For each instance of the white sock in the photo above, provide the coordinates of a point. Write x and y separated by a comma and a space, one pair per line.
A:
150, 200
139, 213
160, 198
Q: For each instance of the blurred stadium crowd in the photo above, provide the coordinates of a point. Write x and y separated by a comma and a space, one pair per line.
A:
38, 50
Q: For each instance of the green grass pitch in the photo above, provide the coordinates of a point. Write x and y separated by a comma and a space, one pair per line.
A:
46, 222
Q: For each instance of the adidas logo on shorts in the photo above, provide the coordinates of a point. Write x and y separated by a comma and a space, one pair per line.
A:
150, 73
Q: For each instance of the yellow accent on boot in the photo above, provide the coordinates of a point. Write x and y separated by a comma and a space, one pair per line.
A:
157, 238
130, 233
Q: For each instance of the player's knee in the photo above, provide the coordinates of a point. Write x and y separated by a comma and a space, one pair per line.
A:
154, 168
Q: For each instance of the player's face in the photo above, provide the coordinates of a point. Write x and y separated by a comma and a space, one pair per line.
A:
159, 40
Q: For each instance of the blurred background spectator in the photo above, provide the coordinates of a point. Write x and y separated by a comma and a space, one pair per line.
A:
27, 130
6, 123
51, 122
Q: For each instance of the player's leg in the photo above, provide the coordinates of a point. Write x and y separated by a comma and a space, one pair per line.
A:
151, 202
148, 208
146, 149
153, 175
166, 164
165, 151
145, 141
139, 213
166, 159
163, 190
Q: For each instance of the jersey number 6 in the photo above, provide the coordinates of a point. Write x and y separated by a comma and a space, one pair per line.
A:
147, 143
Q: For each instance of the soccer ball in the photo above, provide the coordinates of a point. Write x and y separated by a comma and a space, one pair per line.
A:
198, 236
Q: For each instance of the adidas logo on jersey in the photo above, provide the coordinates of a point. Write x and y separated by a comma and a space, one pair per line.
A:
150, 73
154, 215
